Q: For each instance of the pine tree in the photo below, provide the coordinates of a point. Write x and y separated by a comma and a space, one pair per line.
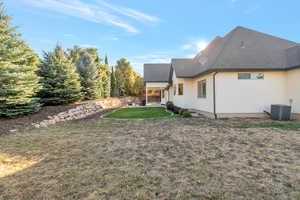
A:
76, 52
113, 83
103, 69
18, 80
59, 79
89, 78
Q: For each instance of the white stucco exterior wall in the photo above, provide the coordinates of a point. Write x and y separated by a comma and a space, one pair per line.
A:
179, 100
171, 92
204, 104
234, 96
250, 96
190, 99
165, 98
293, 88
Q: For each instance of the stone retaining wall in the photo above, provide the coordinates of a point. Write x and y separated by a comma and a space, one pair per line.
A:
118, 102
80, 112
89, 108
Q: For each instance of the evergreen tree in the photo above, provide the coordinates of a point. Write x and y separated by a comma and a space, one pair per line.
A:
106, 79
59, 79
113, 83
104, 74
18, 80
106, 60
75, 53
89, 78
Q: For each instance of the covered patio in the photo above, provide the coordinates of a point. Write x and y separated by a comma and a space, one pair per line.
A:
157, 80
155, 93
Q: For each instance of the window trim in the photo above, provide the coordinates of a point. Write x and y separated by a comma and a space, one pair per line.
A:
179, 93
200, 91
251, 76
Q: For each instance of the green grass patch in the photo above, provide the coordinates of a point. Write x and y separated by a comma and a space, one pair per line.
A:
138, 113
282, 125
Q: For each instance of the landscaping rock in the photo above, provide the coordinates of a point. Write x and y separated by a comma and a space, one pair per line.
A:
79, 112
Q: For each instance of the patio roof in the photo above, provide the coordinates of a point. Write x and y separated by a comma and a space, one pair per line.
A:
157, 72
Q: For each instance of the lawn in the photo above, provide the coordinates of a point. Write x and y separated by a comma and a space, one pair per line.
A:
138, 113
167, 158
282, 125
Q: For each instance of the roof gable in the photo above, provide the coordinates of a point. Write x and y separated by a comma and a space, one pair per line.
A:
248, 48
157, 72
240, 49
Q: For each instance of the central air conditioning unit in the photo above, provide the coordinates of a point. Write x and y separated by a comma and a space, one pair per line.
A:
281, 112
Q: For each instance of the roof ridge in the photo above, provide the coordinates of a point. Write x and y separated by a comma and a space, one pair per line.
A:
157, 64
207, 47
182, 58
266, 34
230, 34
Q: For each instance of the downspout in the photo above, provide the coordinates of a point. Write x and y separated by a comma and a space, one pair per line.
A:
214, 93
168, 93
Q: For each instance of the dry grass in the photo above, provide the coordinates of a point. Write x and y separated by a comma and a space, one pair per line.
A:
151, 159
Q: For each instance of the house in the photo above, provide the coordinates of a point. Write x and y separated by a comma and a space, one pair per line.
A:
239, 75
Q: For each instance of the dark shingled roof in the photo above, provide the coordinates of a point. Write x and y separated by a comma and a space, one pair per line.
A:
241, 49
293, 57
157, 72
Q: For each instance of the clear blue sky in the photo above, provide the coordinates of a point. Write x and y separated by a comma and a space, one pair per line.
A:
147, 30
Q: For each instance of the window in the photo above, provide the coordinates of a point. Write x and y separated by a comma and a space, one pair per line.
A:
175, 90
180, 89
163, 94
251, 76
202, 89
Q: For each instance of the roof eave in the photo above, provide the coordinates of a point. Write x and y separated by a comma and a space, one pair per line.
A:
156, 81
237, 70
294, 67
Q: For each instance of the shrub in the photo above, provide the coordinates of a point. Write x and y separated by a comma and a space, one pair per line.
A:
143, 103
176, 109
170, 105
186, 114
181, 111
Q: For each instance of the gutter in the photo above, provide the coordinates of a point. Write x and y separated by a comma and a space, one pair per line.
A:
214, 94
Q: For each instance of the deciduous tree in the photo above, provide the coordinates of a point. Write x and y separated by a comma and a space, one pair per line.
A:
128, 81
